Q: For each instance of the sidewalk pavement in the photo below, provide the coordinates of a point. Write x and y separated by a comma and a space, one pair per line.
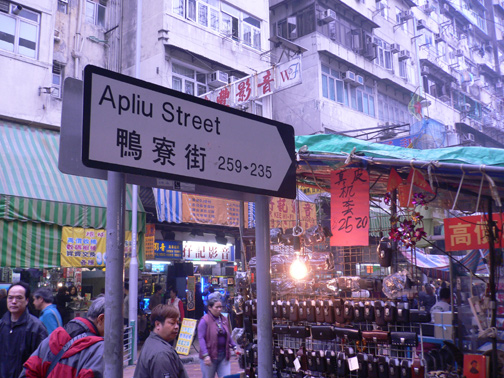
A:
191, 364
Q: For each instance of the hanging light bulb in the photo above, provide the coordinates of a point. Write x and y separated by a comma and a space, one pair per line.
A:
298, 269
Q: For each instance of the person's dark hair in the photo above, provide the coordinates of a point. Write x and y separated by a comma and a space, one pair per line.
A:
22, 284
162, 312
157, 287
444, 293
126, 285
62, 290
97, 307
172, 289
213, 299
45, 294
70, 291
429, 289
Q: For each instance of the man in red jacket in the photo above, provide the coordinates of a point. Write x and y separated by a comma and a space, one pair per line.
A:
73, 351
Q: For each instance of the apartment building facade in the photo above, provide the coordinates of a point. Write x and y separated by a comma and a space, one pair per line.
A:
385, 66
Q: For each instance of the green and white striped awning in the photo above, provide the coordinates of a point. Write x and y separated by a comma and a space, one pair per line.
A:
36, 199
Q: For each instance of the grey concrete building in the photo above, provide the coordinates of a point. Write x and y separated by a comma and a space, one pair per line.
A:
370, 68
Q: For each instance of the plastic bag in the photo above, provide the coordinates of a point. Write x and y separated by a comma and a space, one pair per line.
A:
395, 284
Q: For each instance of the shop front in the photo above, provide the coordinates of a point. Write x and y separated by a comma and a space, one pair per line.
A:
47, 217
411, 293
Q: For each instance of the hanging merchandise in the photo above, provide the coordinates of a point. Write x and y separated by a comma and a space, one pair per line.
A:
385, 251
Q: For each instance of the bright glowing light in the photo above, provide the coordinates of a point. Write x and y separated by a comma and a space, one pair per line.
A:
298, 269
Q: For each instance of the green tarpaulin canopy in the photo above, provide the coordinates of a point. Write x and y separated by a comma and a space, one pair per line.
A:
36, 199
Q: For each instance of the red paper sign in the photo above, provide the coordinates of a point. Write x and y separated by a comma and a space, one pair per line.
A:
475, 366
469, 233
350, 207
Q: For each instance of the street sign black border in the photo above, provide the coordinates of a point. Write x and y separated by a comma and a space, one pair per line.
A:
286, 190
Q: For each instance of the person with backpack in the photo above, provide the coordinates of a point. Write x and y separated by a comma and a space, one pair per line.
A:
75, 350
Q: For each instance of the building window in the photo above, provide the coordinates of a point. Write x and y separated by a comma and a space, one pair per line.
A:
404, 24
223, 18
403, 68
382, 5
189, 80
57, 79
19, 31
383, 54
63, 6
360, 98
251, 31
392, 111
95, 13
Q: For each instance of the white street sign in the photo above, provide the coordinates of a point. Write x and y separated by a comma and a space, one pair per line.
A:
137, 127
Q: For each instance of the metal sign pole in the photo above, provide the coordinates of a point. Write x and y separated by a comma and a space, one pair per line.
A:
263, 279
116, 204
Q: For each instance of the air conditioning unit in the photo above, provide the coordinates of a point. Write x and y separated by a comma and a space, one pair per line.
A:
328, 15
445, 8
395, 48
348, 76
425, 71
420, 25
426, 8
404, 54
217, 79
405, 15
359, 80
459, 52
438, 37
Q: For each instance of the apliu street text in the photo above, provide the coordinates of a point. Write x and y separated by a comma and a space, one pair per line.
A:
134, 104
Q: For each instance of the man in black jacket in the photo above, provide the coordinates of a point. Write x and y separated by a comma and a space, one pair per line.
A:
20, 332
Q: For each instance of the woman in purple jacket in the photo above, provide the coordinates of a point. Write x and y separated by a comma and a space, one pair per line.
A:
216, 345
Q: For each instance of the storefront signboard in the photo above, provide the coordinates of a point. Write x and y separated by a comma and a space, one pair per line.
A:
186, 336
86, 248
210, 210
167, 250
350, 207
283, 213
465, 233
150, 235
194, 250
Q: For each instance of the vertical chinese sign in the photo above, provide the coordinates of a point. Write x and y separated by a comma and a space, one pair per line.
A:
150, 235
191, 301
350, 207
470, 232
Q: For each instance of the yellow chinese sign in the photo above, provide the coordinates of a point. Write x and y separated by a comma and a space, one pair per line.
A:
86, 248
186, 336
210, 210
283, 213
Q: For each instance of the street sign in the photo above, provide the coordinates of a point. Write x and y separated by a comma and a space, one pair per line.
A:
136, 127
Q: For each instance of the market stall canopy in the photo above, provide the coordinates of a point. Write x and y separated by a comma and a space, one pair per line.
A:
36, 199
446, 169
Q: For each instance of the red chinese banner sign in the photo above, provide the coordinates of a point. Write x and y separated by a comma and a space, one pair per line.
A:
350, 207
469, 233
